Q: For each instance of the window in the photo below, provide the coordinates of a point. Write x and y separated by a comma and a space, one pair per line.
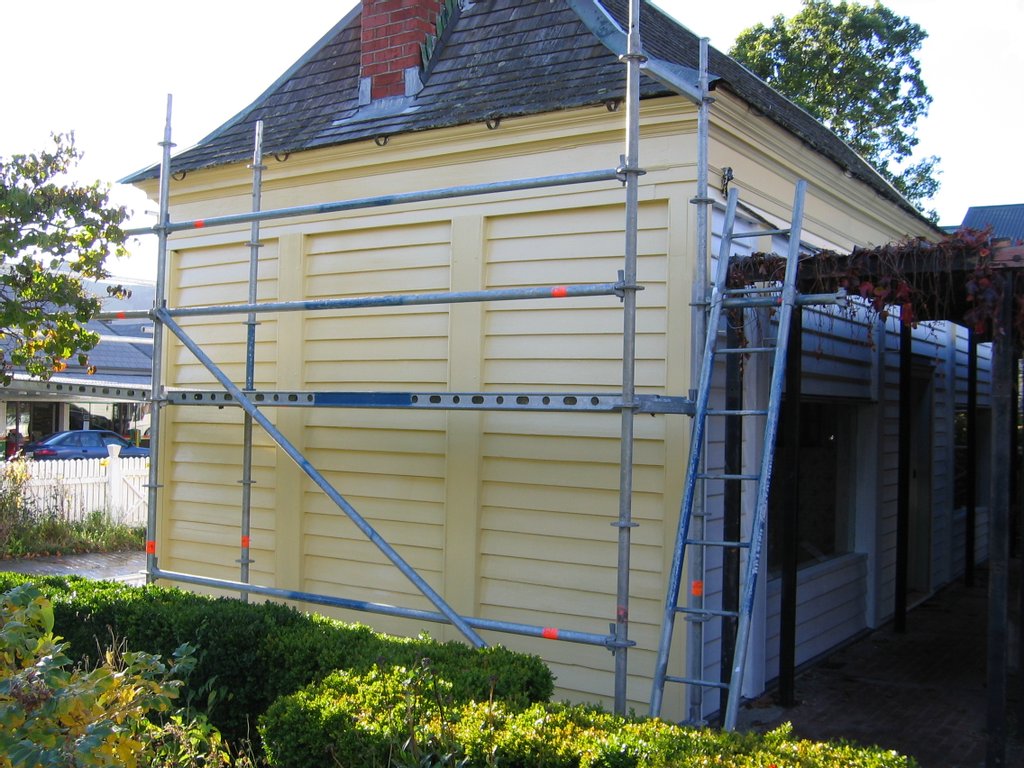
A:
90, 440
827, 473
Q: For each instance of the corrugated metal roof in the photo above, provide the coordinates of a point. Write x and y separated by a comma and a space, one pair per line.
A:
1005, 220
501, 58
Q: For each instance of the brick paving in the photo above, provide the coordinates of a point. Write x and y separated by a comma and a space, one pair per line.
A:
921, 693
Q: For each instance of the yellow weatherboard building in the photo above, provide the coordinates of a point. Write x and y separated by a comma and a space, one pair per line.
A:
513, 514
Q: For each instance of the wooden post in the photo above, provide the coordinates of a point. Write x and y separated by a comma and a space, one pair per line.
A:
733, 491
789, 520
899, 619
999, 518
972, 457
115, 483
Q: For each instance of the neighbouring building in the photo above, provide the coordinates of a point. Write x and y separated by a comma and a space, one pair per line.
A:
114, 397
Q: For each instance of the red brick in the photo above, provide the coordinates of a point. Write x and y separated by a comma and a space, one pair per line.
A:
371, 70
391, 35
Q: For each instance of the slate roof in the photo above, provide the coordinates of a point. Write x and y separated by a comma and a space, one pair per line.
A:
1005, 220
501, 58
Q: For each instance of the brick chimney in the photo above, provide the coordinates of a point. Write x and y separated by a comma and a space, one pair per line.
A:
392, 32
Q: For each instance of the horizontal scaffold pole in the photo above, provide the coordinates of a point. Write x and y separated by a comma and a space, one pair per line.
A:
530, 630
601, 402
317, 477
388, 300
445, 193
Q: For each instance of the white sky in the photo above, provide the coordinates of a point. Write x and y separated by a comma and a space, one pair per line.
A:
104, 69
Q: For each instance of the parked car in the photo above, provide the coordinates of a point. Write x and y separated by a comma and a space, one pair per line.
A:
80, 444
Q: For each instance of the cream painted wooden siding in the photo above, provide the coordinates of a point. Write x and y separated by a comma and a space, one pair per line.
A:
508, 515
201, 453
389, 465
547, 547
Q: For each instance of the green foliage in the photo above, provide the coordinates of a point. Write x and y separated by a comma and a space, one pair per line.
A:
397, 717
15, 512
52, 715
855, 68
28, 527
53, 234
249, 654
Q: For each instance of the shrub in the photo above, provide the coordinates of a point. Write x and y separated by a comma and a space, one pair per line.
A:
248, 654
51, 715
394, 717
15, 514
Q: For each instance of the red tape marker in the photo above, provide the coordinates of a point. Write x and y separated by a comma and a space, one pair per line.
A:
150, 547
121, 315
199, 224
697, 588
245, 542
560, 291
549, 633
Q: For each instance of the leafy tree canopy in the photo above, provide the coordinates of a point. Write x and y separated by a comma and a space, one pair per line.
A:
54, 234
854, 67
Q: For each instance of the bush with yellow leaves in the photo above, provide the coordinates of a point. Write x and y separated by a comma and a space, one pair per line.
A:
119, 713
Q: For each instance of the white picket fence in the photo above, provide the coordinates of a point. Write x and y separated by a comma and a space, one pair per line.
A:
75, 487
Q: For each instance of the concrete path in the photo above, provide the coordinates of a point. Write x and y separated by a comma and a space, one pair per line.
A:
129, 567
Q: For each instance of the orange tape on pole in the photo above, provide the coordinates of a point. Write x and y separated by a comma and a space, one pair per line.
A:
245, 542
560, 291
549, 633
150, 547
697, 588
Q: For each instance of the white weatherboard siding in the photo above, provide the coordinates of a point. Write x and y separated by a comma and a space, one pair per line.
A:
831, 606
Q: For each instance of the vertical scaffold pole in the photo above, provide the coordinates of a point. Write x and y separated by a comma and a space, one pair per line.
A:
631, 170
695, 635
159, 302
250, 356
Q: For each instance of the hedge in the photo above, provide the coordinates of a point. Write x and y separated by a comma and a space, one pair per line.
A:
249, 654
397, 716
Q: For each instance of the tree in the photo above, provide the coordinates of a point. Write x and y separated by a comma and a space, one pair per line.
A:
854, 67
54, 234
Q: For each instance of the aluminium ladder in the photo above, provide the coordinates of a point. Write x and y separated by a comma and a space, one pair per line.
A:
783, 297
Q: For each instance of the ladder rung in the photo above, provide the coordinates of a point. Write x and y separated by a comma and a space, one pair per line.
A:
696, 681
752, 302
714, 543
737, 412
726, 476
753, 290
743, 350
762, 233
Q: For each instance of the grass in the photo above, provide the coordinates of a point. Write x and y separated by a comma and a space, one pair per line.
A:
28, 528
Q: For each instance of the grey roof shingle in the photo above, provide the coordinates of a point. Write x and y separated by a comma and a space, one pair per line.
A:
1005, 220
502, 58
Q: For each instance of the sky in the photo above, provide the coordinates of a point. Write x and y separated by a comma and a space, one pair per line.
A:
104, 69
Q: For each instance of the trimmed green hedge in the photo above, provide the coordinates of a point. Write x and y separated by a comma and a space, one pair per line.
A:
396, 717
249, 654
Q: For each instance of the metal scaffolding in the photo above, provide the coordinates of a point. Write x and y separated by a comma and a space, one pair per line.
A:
628, 403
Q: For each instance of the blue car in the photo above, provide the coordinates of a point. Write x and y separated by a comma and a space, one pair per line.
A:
80, 444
